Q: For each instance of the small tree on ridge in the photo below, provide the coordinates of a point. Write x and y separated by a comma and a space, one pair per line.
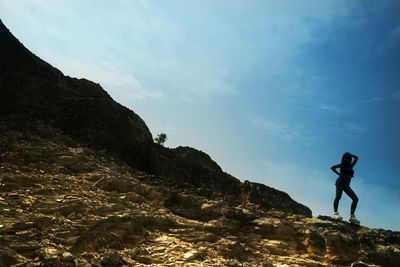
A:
160, 139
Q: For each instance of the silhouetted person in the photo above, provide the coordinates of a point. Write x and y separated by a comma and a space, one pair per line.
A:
343, 184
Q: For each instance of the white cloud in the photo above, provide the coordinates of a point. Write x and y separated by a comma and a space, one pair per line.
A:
193, 80
333, 109
348, 130
123, 86
391, 94
278, 128
187, 56
354, 129
136, 59
116, 80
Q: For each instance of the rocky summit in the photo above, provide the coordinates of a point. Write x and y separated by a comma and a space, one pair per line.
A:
83, 184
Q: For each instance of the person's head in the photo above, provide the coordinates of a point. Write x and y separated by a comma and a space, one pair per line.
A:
346, 158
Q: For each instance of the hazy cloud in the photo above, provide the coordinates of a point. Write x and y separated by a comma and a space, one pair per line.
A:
354, 129
277, 128
333, 109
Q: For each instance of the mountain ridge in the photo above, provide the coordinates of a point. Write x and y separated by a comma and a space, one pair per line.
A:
86, 112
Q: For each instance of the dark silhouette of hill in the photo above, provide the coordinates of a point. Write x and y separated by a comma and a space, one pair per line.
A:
31, 89
83, 184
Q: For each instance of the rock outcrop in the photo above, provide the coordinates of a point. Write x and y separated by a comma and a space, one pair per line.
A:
31, 89
82, 184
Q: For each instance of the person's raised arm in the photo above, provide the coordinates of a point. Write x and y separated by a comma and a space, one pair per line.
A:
334, 167
355, 159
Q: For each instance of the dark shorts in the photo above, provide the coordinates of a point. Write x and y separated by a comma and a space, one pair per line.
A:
343, 181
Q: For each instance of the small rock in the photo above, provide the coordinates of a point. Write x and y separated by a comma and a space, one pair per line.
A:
67, 256
277, 247
127, 260
267, 263
112, 258
362, 264
191, 255
81, 263
144, 259
8, 257
50, 253
134, 197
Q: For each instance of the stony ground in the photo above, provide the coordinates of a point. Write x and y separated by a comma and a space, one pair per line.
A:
62, 204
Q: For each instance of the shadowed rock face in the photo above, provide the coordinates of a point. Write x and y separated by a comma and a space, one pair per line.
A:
270, 198
195, 169
31, 89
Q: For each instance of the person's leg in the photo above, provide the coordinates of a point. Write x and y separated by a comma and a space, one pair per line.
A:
339, 191
353, 196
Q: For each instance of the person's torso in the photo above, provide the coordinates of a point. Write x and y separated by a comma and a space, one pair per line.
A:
346, 171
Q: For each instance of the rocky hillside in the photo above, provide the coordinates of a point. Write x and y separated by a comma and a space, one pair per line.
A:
32, 90
65, 204
83, 184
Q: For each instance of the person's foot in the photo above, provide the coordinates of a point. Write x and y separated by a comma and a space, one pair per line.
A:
353, 219
336, 216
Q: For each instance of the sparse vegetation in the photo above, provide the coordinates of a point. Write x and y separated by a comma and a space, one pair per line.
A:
161, 139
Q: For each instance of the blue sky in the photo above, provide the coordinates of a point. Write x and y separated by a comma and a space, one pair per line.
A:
274, 91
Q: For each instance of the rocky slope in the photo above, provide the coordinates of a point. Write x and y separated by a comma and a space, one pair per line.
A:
64, 204
82, 184
32, 90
